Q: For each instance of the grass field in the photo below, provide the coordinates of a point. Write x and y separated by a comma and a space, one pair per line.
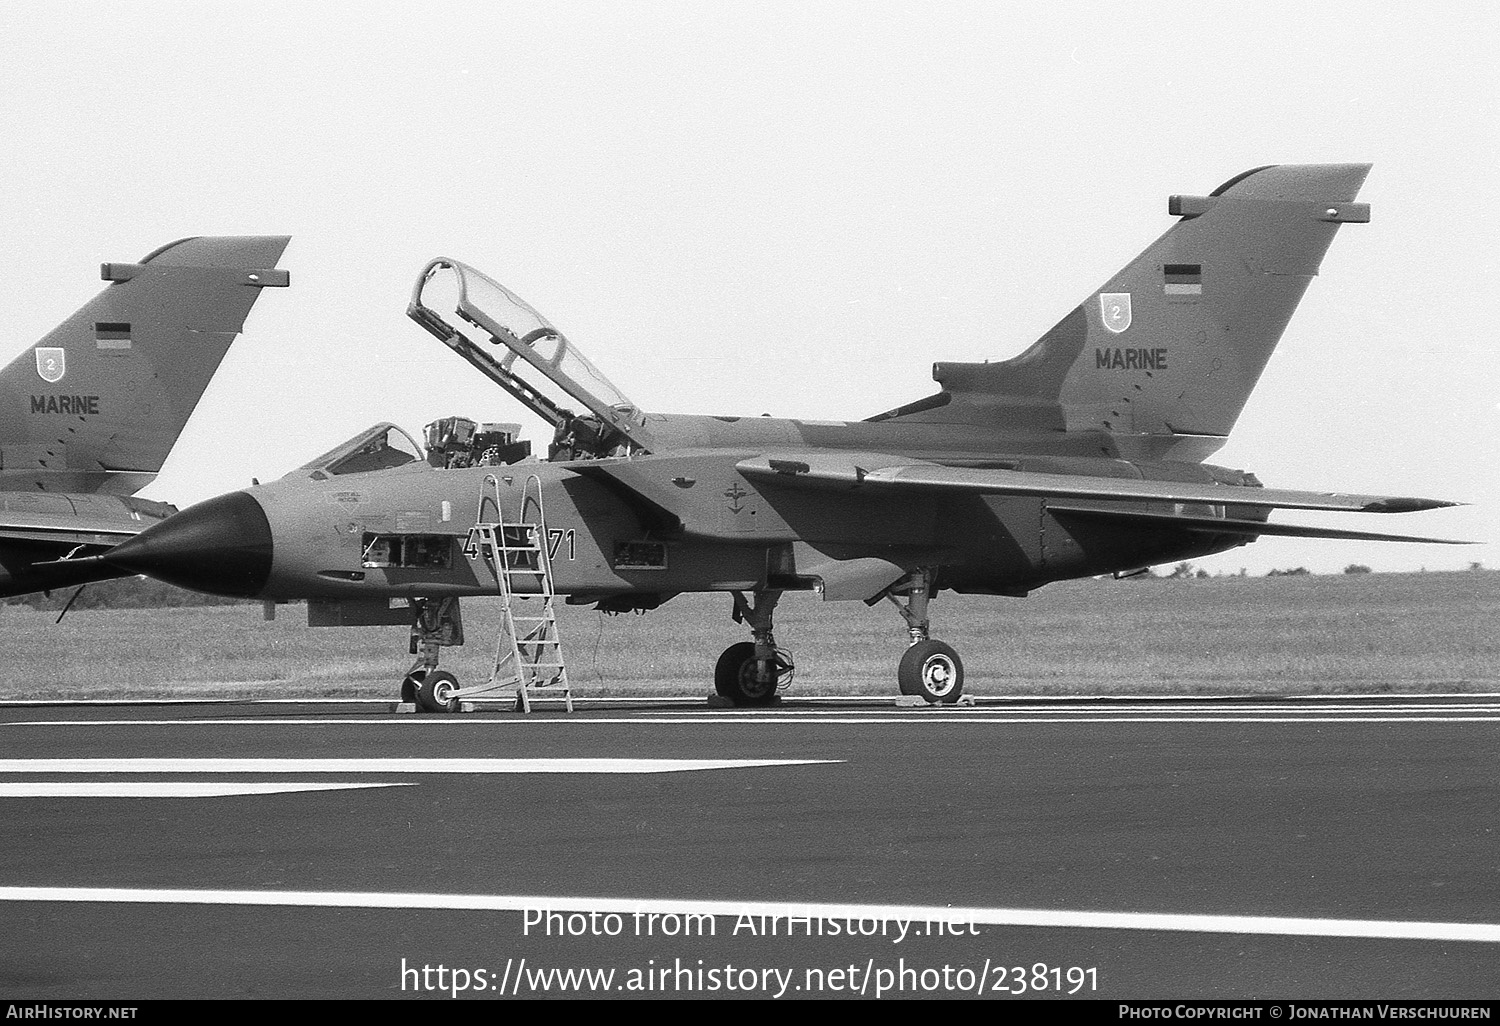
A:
1224, 635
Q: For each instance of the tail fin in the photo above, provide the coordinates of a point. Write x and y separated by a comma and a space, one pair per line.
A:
98, 403
1164, 355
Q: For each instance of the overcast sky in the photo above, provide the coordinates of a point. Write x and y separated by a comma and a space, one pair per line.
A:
773, 208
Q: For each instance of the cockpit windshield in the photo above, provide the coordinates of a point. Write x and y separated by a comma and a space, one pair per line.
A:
378, 448
475, 316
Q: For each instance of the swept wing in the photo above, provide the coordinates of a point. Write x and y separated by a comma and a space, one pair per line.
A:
842, 471
76, 519
1081, 496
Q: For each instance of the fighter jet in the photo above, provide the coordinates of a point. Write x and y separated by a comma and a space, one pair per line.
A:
1082, 456
90, 412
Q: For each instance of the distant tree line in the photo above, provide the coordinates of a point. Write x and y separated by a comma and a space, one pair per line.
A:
123, 593
1185, 571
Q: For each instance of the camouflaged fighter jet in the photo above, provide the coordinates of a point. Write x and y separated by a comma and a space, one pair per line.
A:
1081, 456
89, 414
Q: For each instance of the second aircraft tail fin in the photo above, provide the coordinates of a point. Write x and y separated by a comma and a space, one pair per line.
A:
98, 403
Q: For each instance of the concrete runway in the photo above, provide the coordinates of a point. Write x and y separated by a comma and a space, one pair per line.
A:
1315, 848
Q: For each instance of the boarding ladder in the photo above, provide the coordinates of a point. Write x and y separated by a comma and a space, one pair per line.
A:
528, 651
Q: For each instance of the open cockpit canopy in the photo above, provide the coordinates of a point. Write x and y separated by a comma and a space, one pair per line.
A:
519, 349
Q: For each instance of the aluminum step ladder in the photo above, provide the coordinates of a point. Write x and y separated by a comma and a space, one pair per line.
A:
528, 650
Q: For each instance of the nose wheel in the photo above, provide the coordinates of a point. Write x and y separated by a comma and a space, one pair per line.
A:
435, 623
433, 691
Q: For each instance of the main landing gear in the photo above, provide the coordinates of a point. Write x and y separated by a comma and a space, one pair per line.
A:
929, 669
751, 672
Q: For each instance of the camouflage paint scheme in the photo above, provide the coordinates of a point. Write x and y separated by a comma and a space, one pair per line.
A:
1081, 456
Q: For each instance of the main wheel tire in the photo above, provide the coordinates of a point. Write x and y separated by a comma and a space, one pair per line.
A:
409, 685
435, 692
735, 677
933, 671
727, 670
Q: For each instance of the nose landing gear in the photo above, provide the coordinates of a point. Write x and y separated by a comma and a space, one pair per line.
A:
435, 623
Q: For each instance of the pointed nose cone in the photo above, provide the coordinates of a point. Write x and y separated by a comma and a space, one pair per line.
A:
222, 546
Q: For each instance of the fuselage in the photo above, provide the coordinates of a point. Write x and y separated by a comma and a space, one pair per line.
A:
637, 529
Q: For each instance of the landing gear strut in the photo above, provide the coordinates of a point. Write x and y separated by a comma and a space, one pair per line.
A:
750, 672
929, 669
435, 623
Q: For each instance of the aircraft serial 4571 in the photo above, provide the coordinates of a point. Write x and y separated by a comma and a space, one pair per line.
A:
1081, 456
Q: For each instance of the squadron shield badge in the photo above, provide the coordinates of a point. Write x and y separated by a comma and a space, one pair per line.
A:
51, 364
1114, 310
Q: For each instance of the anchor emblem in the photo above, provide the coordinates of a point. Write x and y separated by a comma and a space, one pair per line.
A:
734, 495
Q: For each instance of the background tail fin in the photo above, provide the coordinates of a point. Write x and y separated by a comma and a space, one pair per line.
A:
1167, 351
98, 403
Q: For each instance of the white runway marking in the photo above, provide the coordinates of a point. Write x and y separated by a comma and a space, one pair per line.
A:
912, 718
390, 765
1007, 701
1392, 929
166, 788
